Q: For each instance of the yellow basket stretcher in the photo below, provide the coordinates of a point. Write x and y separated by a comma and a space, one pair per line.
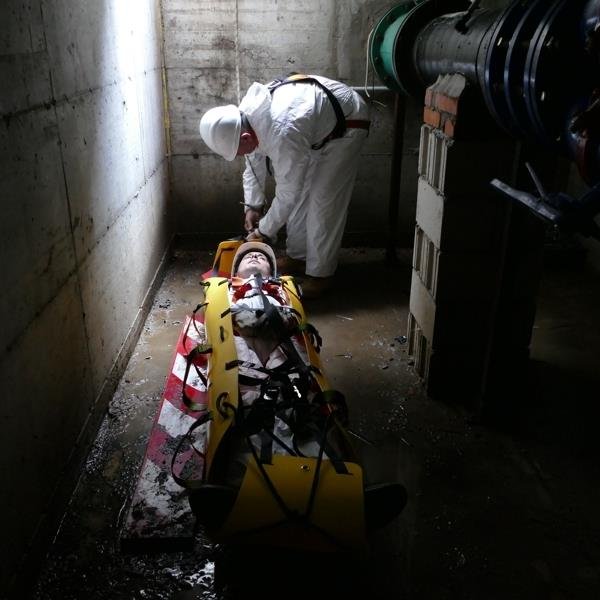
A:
317, 502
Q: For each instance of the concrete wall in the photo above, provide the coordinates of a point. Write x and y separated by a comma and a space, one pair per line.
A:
215, 49
84, 189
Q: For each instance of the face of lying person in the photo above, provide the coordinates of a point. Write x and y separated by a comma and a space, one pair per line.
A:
254, 262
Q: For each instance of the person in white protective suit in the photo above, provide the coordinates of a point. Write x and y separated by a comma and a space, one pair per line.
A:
311, 129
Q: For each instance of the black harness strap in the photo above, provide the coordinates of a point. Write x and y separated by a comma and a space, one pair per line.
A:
281, 443
340, 125
189, 484
338, 464
290, 515
278, 326
189, 358
249, 381
315, 481
193, 320
266, 446
313, 335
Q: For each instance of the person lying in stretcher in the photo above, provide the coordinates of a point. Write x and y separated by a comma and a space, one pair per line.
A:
278, 463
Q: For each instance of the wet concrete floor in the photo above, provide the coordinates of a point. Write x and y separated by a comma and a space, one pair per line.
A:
497, 509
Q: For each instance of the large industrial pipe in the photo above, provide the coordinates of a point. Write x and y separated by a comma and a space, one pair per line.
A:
536, 64
451, 44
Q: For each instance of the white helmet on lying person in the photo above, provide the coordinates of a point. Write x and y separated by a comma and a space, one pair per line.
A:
252, 258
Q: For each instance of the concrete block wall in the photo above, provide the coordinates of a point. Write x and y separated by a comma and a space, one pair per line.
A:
84, 231
215, 49
460, 233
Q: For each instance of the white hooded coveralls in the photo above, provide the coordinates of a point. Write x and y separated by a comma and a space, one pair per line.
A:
313, 187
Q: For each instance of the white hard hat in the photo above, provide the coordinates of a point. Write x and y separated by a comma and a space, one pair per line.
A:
220, 129
258, 247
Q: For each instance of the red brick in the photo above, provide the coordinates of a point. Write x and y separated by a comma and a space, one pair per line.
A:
446, 104
431, 117
449, 126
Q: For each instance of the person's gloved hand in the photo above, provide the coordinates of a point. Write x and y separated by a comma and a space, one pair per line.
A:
254, 236
251, 219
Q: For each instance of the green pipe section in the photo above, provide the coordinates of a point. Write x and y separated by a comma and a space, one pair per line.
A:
382, 47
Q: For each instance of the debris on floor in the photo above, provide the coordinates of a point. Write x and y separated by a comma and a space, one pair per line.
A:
496, 510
